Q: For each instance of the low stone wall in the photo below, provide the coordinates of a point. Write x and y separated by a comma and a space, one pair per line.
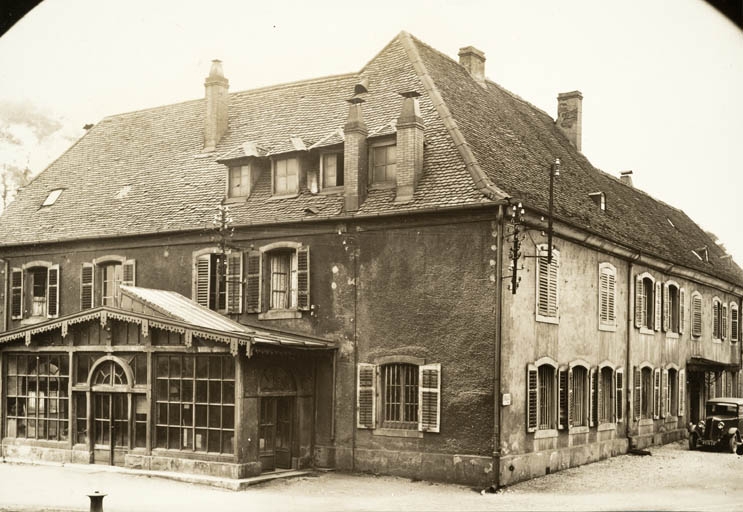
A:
192, 466
643, 441
33, 453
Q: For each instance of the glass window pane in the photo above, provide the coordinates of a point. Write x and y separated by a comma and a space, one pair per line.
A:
228, 417
228, 369
214, 441
188, 367
202, 365
175, 366
201, 415
174, 438
162, 366
215, 395
174, 390
228, 392
228, 441
215, 367
200, 440
161, 437
214, 416
201, 388
187, 391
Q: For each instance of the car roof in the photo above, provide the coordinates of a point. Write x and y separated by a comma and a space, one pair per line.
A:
727, 400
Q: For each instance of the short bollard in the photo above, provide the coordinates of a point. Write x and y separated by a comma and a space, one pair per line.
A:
96, 501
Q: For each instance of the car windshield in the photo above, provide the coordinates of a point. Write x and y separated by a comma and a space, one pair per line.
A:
714, 409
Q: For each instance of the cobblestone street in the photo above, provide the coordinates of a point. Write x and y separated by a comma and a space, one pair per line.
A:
672, 478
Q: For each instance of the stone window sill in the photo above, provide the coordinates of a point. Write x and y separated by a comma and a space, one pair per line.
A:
545, 434
606, 327
280, 314
397, 432
331, 191
607, 426
283, 196
581, 429
34, 320
548, 319
643, 422
645, 330
235, 200
672, 335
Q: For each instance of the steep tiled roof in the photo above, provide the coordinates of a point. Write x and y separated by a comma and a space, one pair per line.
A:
144, 172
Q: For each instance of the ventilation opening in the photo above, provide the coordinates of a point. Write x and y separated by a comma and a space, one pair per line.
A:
599, 198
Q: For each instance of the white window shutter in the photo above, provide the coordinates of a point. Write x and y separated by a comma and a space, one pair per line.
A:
639, 302
696, 315
664, 393
531, 398
87, 286
592, 420
562, 382
682, 310
129, 273
682, 392
203, 280
429, 397
52, 292
16, 293
724, 321
603, 296
254, 282
571, 402
554, 283
598, 399
366, 396
619, 374
734, 322
612, 292
636, 402
234, 282
658, 306
656, 393
666, 309
303, 278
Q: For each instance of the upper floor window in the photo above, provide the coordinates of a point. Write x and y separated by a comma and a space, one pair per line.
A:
383, 163
217, 280
101, 280
607, 296
285, 176
332, 170
278, 280
34, 291
734, 321
673, 298
238, 182
547, 280
717, 319
696, 314
647, 302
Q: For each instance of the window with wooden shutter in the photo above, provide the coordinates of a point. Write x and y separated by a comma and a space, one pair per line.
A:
658, 310
607, 295
696, 314
666, 308
734, 322
571, 400
562, 383
203, 280
619, 375
682, 310
303, 278
547, 285
715, 318
594, 392
656, 393
16, 293
636, 403
129, 273
52, 292
682, 392
234, 282
531, 398
429, 398
253, 283
366, 396
639, 302
724, 330
87, 282
664, 393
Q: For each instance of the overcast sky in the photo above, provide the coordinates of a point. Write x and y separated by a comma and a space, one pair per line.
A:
662, 80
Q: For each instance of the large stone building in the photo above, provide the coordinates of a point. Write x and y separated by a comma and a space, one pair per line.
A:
318, 274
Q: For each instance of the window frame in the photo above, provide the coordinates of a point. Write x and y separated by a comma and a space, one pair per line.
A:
246, 172
602, 393
717, 320
610, 322
671, 313
373, 146
274, 169
552, 407
585, 401
200, 255
646, 307
24, 292
552, 273
299, 280
339, 154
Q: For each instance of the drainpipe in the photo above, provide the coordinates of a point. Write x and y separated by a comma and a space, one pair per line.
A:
5, 295
497, 366
628, 375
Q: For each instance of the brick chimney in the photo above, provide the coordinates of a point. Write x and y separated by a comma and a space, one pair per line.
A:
215, 124
473, 60
355, 176
569, 116
626, 178
409, 147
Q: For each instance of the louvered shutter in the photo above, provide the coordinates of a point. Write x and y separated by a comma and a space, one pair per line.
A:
553, 283
253, 282
656, 393
366, 396
620, 395
203, 280
562, 382
666, 309
87, 283
664, 393
571, 401
16, 293
724, 321
638, 394
658, 306
129, 273
611, 297
734, 321
639, 302
593, 411
531, 398
52, 292
303, 278
682, 392
696, 315
542, 286
599, 399
603, 296
429, 397
234, 282
715, 319
682, 310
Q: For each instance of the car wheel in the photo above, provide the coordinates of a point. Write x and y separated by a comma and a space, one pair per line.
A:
693, 441
733, 443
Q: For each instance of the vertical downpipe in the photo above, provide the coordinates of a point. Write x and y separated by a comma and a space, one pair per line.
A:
497, 352
6, 318
355, 253
629, 382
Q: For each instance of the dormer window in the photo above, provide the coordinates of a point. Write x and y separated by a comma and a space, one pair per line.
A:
52, 197
332, 170
383, 163
285, 176
238, 183
599, 198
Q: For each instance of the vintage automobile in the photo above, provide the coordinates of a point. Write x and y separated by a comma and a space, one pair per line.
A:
721, 427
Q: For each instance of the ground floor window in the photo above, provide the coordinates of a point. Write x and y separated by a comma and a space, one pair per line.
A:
546, 397
646, 393
37, 398
400, 396
195, 403
580, 396
606, 395
673, 392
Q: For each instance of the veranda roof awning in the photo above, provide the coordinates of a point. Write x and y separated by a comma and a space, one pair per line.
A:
700, 364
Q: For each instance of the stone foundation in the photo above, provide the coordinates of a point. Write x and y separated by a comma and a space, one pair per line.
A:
642, 441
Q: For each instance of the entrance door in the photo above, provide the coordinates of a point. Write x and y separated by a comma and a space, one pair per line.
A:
696, 396
275, 439
110, 427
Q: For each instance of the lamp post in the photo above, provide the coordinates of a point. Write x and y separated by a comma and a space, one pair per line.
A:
554, 171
